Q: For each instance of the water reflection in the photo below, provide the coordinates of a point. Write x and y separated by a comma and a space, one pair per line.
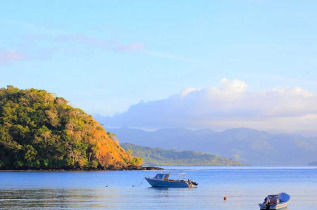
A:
122, 198
54, 198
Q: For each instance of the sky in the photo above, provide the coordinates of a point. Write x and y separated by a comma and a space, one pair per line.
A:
108, 57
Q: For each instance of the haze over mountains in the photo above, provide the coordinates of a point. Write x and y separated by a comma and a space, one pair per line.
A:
249, 146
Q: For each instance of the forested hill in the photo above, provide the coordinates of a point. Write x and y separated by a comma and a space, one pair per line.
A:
41, 131
158, 156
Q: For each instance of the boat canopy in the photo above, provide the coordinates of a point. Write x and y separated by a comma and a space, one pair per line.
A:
167, 175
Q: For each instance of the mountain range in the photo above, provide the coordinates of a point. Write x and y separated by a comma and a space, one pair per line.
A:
249, 146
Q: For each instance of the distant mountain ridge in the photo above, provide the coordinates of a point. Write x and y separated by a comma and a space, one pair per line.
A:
158, 156
249, 146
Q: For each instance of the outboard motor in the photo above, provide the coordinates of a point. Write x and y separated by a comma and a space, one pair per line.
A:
267, 203
192, 182
267, 206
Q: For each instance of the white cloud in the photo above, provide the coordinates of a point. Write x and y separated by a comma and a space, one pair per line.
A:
230, 105
234, 86
187, 91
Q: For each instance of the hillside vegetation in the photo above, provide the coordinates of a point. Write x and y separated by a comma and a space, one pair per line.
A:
158, 156
41, 131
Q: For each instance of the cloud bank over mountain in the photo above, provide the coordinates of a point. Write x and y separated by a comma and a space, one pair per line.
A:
228, 106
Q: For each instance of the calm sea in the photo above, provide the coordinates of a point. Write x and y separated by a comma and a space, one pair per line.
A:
244, 188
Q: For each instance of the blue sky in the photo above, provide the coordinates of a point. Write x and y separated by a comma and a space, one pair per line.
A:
104, 56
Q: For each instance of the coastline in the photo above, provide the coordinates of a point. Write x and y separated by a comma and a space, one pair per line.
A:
129, 168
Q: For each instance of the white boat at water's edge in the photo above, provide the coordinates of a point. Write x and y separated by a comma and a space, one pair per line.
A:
279, 201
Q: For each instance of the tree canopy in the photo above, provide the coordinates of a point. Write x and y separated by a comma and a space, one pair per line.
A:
41, 131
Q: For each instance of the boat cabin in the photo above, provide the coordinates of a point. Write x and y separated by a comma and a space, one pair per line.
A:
273, 199
162, 176
166, 177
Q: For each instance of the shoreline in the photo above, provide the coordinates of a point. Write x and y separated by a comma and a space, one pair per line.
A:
134, 168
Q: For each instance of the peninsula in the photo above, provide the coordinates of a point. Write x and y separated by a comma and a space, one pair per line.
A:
40, 131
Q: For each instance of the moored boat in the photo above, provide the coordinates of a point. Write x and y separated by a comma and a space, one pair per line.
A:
278, 201
163, 180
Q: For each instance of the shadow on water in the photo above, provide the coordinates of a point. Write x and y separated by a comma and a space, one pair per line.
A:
158, 188
171, 188
279, 209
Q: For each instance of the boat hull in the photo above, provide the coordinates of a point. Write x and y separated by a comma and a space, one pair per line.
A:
274, 206
168, 184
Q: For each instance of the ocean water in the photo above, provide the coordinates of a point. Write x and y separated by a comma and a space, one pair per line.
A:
244, 188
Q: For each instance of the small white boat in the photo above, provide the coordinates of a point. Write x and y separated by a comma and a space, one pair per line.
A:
279, 201
162, 180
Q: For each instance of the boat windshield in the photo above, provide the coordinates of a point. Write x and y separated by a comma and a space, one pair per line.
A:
161, 176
